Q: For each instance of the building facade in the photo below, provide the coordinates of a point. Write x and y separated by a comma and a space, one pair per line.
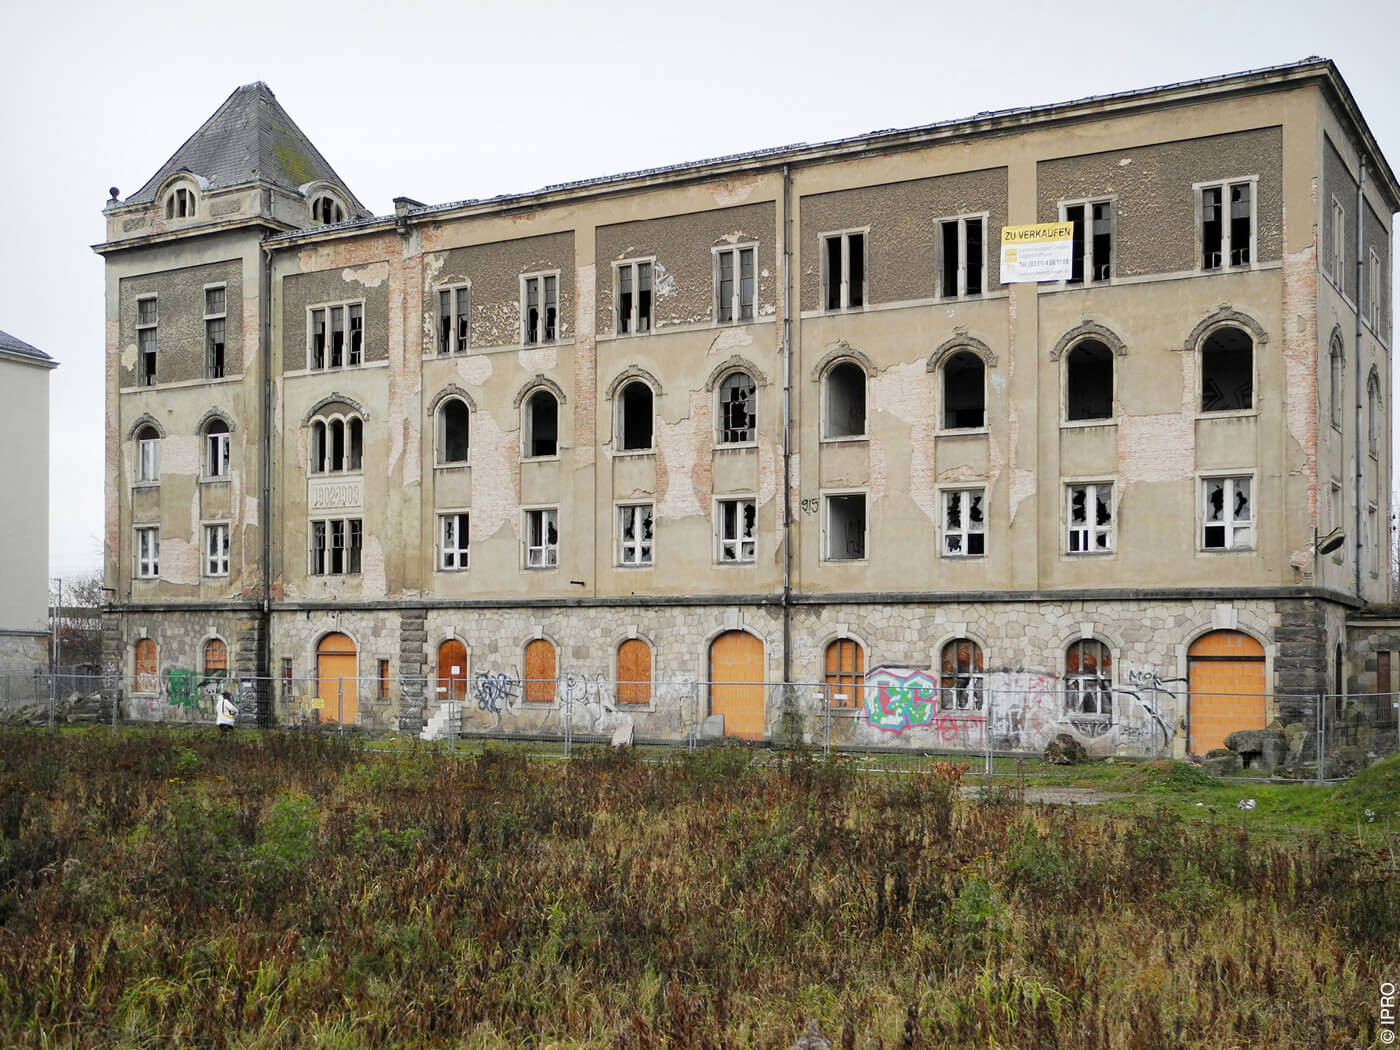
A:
24, 517
687, 434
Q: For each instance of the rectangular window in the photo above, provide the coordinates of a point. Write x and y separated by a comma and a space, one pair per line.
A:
287, 683
1093, 240
1338, 257
214, 317
845, 527
634, 530
453, 539
148, 459
962, 256
453, 319
633, 307
148, 552
335, 546
1373, 291
541, 538
1334, 506
844, 255
146, 324
1227, 224
1090, 518
737, 519
216, 453
1227, 514
964, 529
539, 308
384, 694
336, 336
1373, 541
734, 284
216, 550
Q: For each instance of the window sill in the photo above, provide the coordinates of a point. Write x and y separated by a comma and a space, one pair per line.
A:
1088, 554
540, 459
844, 561
963, 557
334, 474
633, 453
970, 297
459, 465
216, 479
1226, 550
451, 572
1228, 413
1088, 424
635, 568
145, 484
540, 568
734, 446
845, 439
736, 564
981, 431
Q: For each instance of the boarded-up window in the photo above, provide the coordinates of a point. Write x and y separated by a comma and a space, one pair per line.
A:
845, 673
960, 681
383, 679
634, 672
147, 665
540, 672
215, 658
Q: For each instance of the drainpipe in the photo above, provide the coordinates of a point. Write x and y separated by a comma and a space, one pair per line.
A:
1361, 436
264, 654
787, 426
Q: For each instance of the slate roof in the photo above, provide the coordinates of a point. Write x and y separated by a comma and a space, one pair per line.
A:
249, 137
9, 345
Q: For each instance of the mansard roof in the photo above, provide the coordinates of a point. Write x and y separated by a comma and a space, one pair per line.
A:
249, 137
12, 347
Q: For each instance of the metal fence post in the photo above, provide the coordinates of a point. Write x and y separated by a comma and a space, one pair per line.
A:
987, 731
1321, 735
340, 706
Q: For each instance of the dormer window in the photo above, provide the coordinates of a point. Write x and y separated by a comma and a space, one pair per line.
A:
326, 210
179, 203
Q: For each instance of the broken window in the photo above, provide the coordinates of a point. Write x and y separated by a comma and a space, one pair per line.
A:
1089, 381
326, 210
633, 298
147, 454
1091, 250
454, 423
737, 408
635, 534
1089, 678
148, 552
1228, 517
1339, 243
964, 524
845, 673
453, 540
1090, 518
845, 401
179, 204
541, 424
960, 677
216, 449
845, 527
845, 270
336, 546
336, 336
1373, 541
215, 314
1337, 378
541, 538
634, 424
337, 444
539, 308
964, 391
1227, 371
216, 549
1227, 237
1373, 291
453, 319
962, 257
734, 284
737, 518
1373, 412
146, 324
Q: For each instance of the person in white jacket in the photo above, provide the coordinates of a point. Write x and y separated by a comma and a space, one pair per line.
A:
225, 712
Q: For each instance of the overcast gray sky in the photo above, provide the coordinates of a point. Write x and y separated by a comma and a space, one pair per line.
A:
444, 101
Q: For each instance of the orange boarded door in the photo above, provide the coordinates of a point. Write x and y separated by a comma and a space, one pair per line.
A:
634, 672
1227, 688
452, 671
335, 674
736, 684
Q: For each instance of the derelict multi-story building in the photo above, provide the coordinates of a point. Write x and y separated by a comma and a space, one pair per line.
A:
776, 417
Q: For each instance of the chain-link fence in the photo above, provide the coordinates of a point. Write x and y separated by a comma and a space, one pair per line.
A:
979, 717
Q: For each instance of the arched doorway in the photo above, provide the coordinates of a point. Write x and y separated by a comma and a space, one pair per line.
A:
736, 683
452, 671
1227, 688
336, 668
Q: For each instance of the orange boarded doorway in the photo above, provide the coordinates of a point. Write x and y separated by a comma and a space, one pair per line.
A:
1227, 688
452, 671
335, 679
736, 684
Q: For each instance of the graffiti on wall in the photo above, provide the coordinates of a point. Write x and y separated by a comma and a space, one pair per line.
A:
495, 692
897, 699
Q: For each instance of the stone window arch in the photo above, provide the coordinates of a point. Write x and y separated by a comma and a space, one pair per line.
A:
1089, 677
845, 673
337, 441
453, 431
1336, 374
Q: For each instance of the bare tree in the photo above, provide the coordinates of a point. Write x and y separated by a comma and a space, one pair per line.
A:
80, 620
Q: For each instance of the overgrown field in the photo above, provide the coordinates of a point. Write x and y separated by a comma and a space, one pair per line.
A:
279, 891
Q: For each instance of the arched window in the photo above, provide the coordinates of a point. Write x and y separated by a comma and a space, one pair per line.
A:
845, 673
738, 415
1089, 381
337, 444
960, 676
179, 203
1088, 678
216, 449
634, 672
146, 666
845, 401
326, 210
1373, 412
634, 417
147, 454
215, 658
1227, 371
454, 423
964, 391
541, 672
541, 424
1337, 377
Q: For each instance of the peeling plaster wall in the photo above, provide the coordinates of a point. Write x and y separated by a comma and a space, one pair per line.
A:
301, 291
1338, 184
180, 329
